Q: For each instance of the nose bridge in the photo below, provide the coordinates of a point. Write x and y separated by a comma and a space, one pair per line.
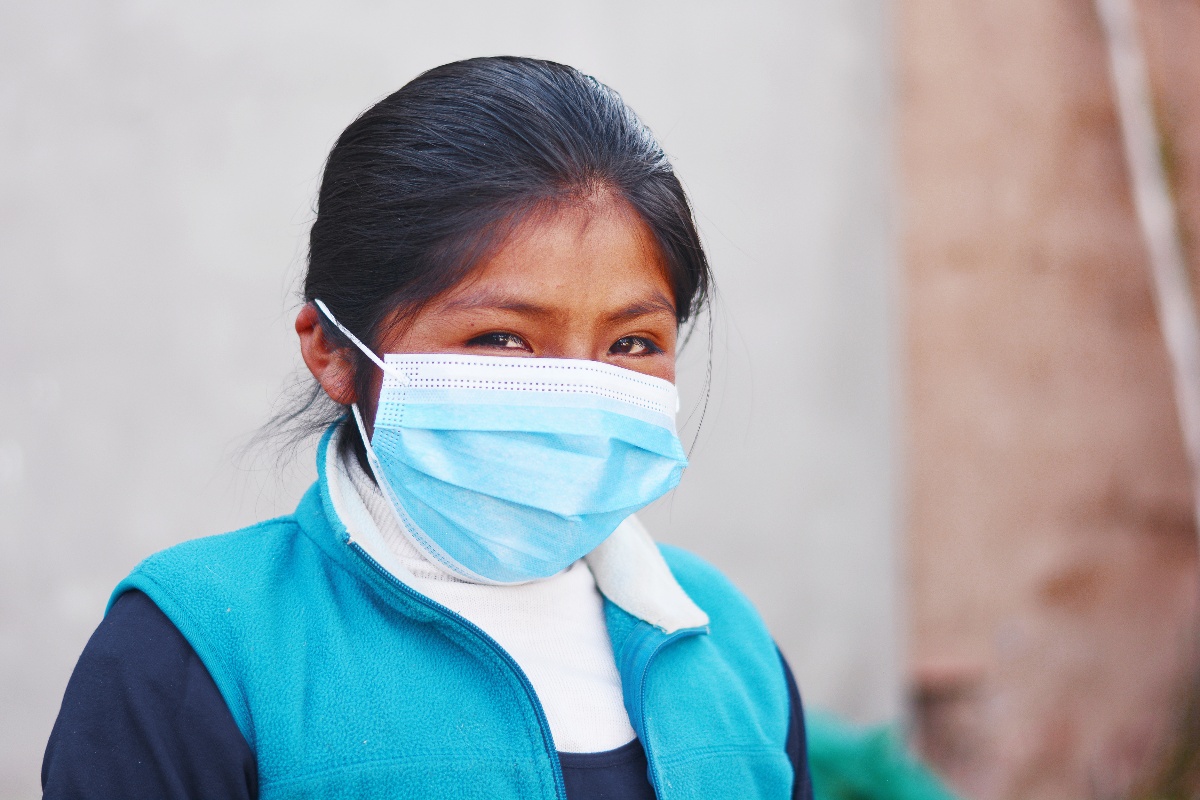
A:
572, 336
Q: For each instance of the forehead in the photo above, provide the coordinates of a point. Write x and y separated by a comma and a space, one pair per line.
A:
593, 251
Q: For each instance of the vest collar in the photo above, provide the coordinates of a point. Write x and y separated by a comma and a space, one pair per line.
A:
628, 567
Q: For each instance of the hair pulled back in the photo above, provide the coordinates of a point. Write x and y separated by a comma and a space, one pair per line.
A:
423, 183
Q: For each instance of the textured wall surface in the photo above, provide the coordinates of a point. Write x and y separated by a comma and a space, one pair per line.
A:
157, 165
1053, 547
1170, 34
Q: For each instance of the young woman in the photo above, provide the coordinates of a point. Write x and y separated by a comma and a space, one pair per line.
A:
463, 605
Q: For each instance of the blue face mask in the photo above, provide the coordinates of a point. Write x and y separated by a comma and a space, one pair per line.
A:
505, 470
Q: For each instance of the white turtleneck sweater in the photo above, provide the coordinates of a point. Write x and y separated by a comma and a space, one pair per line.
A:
553, 628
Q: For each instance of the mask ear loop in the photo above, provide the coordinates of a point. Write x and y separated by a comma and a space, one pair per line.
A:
379, 362
437, 556
368, 352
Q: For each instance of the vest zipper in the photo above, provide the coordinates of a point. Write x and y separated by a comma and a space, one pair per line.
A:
560, 786
644, 650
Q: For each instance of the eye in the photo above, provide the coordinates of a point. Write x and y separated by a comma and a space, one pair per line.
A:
501, 340
634, 346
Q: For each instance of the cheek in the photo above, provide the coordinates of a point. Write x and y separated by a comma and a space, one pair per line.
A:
663, 364
660, 366
369, 404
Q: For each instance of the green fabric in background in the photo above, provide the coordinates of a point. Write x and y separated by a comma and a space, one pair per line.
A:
872, 763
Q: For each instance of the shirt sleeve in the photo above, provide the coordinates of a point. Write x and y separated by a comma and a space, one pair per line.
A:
797, 744
142, 717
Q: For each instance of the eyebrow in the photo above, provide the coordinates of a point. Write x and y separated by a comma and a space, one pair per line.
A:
651, 305
654, 304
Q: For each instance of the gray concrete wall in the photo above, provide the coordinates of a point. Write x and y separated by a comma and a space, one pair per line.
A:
157, 166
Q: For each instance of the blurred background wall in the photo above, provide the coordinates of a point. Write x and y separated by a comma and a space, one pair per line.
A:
157, 168
1049, 514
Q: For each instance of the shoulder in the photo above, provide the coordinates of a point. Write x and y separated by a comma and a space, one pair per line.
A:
224, 593
244, 545
735, 671
736, 628
214, 580
686, 565
255, 559
707, 585
233, 562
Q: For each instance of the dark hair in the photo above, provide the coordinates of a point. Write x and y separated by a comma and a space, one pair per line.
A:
422, 184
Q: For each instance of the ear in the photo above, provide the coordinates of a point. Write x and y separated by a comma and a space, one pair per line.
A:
328, 363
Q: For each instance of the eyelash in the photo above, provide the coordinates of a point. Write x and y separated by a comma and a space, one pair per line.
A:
490, 340
500, 339
651, 347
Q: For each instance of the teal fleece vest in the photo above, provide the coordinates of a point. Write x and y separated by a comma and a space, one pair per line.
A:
347, 683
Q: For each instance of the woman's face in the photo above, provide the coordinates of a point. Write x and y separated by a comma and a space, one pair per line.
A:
586, 281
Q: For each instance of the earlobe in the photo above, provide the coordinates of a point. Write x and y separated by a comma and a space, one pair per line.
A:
327, 363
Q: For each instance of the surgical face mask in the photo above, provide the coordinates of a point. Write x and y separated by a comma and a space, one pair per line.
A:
504, 470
